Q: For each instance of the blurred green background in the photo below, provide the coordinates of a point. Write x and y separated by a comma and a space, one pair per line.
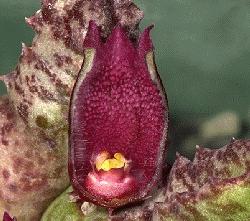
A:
202, 52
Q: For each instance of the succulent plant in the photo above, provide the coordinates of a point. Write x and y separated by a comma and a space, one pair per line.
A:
34, 115
106, 124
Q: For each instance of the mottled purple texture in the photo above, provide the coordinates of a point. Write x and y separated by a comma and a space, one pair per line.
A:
34, 168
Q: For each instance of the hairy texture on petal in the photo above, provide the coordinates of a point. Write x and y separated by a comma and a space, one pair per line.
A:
34, 117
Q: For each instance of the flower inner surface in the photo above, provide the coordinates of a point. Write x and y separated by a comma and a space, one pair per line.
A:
118, 104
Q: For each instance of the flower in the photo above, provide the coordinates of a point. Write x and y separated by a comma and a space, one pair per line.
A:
118, 107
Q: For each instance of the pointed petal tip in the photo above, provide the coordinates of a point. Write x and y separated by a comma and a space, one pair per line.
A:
145, 35
92, 39
118, 32
92, 25
149, 28
120, 38
145, 42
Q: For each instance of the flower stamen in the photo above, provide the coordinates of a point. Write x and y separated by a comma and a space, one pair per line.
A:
104, 162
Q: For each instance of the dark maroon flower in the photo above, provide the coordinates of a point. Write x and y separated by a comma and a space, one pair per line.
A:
118, 120
6, 217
